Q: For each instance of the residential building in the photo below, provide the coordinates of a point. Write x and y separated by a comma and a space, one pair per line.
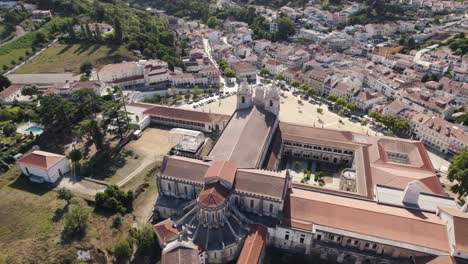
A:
40, 166
245, 70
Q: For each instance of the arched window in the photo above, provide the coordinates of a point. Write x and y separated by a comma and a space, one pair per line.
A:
271, 208
169, 187
243, 99
271, 103
251, 203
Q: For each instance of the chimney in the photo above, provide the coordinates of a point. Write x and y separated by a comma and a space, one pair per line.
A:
411, 193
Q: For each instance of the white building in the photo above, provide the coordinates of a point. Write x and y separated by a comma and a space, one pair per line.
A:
41, 166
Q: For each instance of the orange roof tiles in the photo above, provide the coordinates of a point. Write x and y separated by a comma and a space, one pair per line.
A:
222, 169
188, 115
40, 159
165, 231
213, 195
460, 226
365, 217
253, 245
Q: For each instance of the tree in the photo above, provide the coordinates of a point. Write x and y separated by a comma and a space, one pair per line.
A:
64, 194
229, 73
364, 123
98, 34
341, 102
9, 130
286, 28
341, 112
145, 239
118, 34
197, 91
86, 68
76, 222
115, 113
40, 38
312, 91
212, 22
4, 82
319, 110
57, 115
295, 83
29, 90
458, 173
122, 250
264, 71
280, 77
89, 33
332, 98
114, 200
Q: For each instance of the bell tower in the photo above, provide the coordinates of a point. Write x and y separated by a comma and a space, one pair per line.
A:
244, 96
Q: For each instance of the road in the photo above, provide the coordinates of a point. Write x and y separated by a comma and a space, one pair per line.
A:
207, 48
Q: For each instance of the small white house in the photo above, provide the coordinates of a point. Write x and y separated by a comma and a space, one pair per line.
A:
41, 166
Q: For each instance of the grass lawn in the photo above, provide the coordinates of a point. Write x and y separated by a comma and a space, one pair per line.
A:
6, 33
31, 224
68, 58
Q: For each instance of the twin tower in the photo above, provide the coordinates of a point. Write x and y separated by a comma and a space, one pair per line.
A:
266, 97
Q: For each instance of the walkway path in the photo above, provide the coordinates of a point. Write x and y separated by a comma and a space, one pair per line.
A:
19, 33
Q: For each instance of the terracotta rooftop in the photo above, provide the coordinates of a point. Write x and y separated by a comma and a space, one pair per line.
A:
188, 115
213, 195
40, 159
223, 170
180, 256
435, 260
253, 245
262, 182
460, 226
304, 209
177, 167
165, 231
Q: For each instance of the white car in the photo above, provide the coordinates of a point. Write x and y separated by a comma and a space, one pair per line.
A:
137, 133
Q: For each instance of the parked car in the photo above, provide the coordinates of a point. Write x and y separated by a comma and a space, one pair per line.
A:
137, 134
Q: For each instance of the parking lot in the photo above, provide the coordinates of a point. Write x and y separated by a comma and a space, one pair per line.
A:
207, 99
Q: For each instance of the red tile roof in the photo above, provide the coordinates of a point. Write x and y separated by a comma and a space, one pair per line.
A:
304, 209
253, 246
460, 226
221, 169
213, 195
187, 115
40, 159
165, 231
180, 256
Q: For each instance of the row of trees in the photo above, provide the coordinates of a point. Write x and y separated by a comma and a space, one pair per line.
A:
225, 69
396, 125
342, 103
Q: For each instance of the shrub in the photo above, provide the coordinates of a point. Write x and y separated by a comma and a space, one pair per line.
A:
122, 250
76, 222
145, 239
297, 165
116, 221
115, 200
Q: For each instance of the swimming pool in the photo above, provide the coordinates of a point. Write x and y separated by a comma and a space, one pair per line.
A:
36, 130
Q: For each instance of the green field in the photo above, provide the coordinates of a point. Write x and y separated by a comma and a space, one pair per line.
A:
68, 58
5, 33
13, 52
